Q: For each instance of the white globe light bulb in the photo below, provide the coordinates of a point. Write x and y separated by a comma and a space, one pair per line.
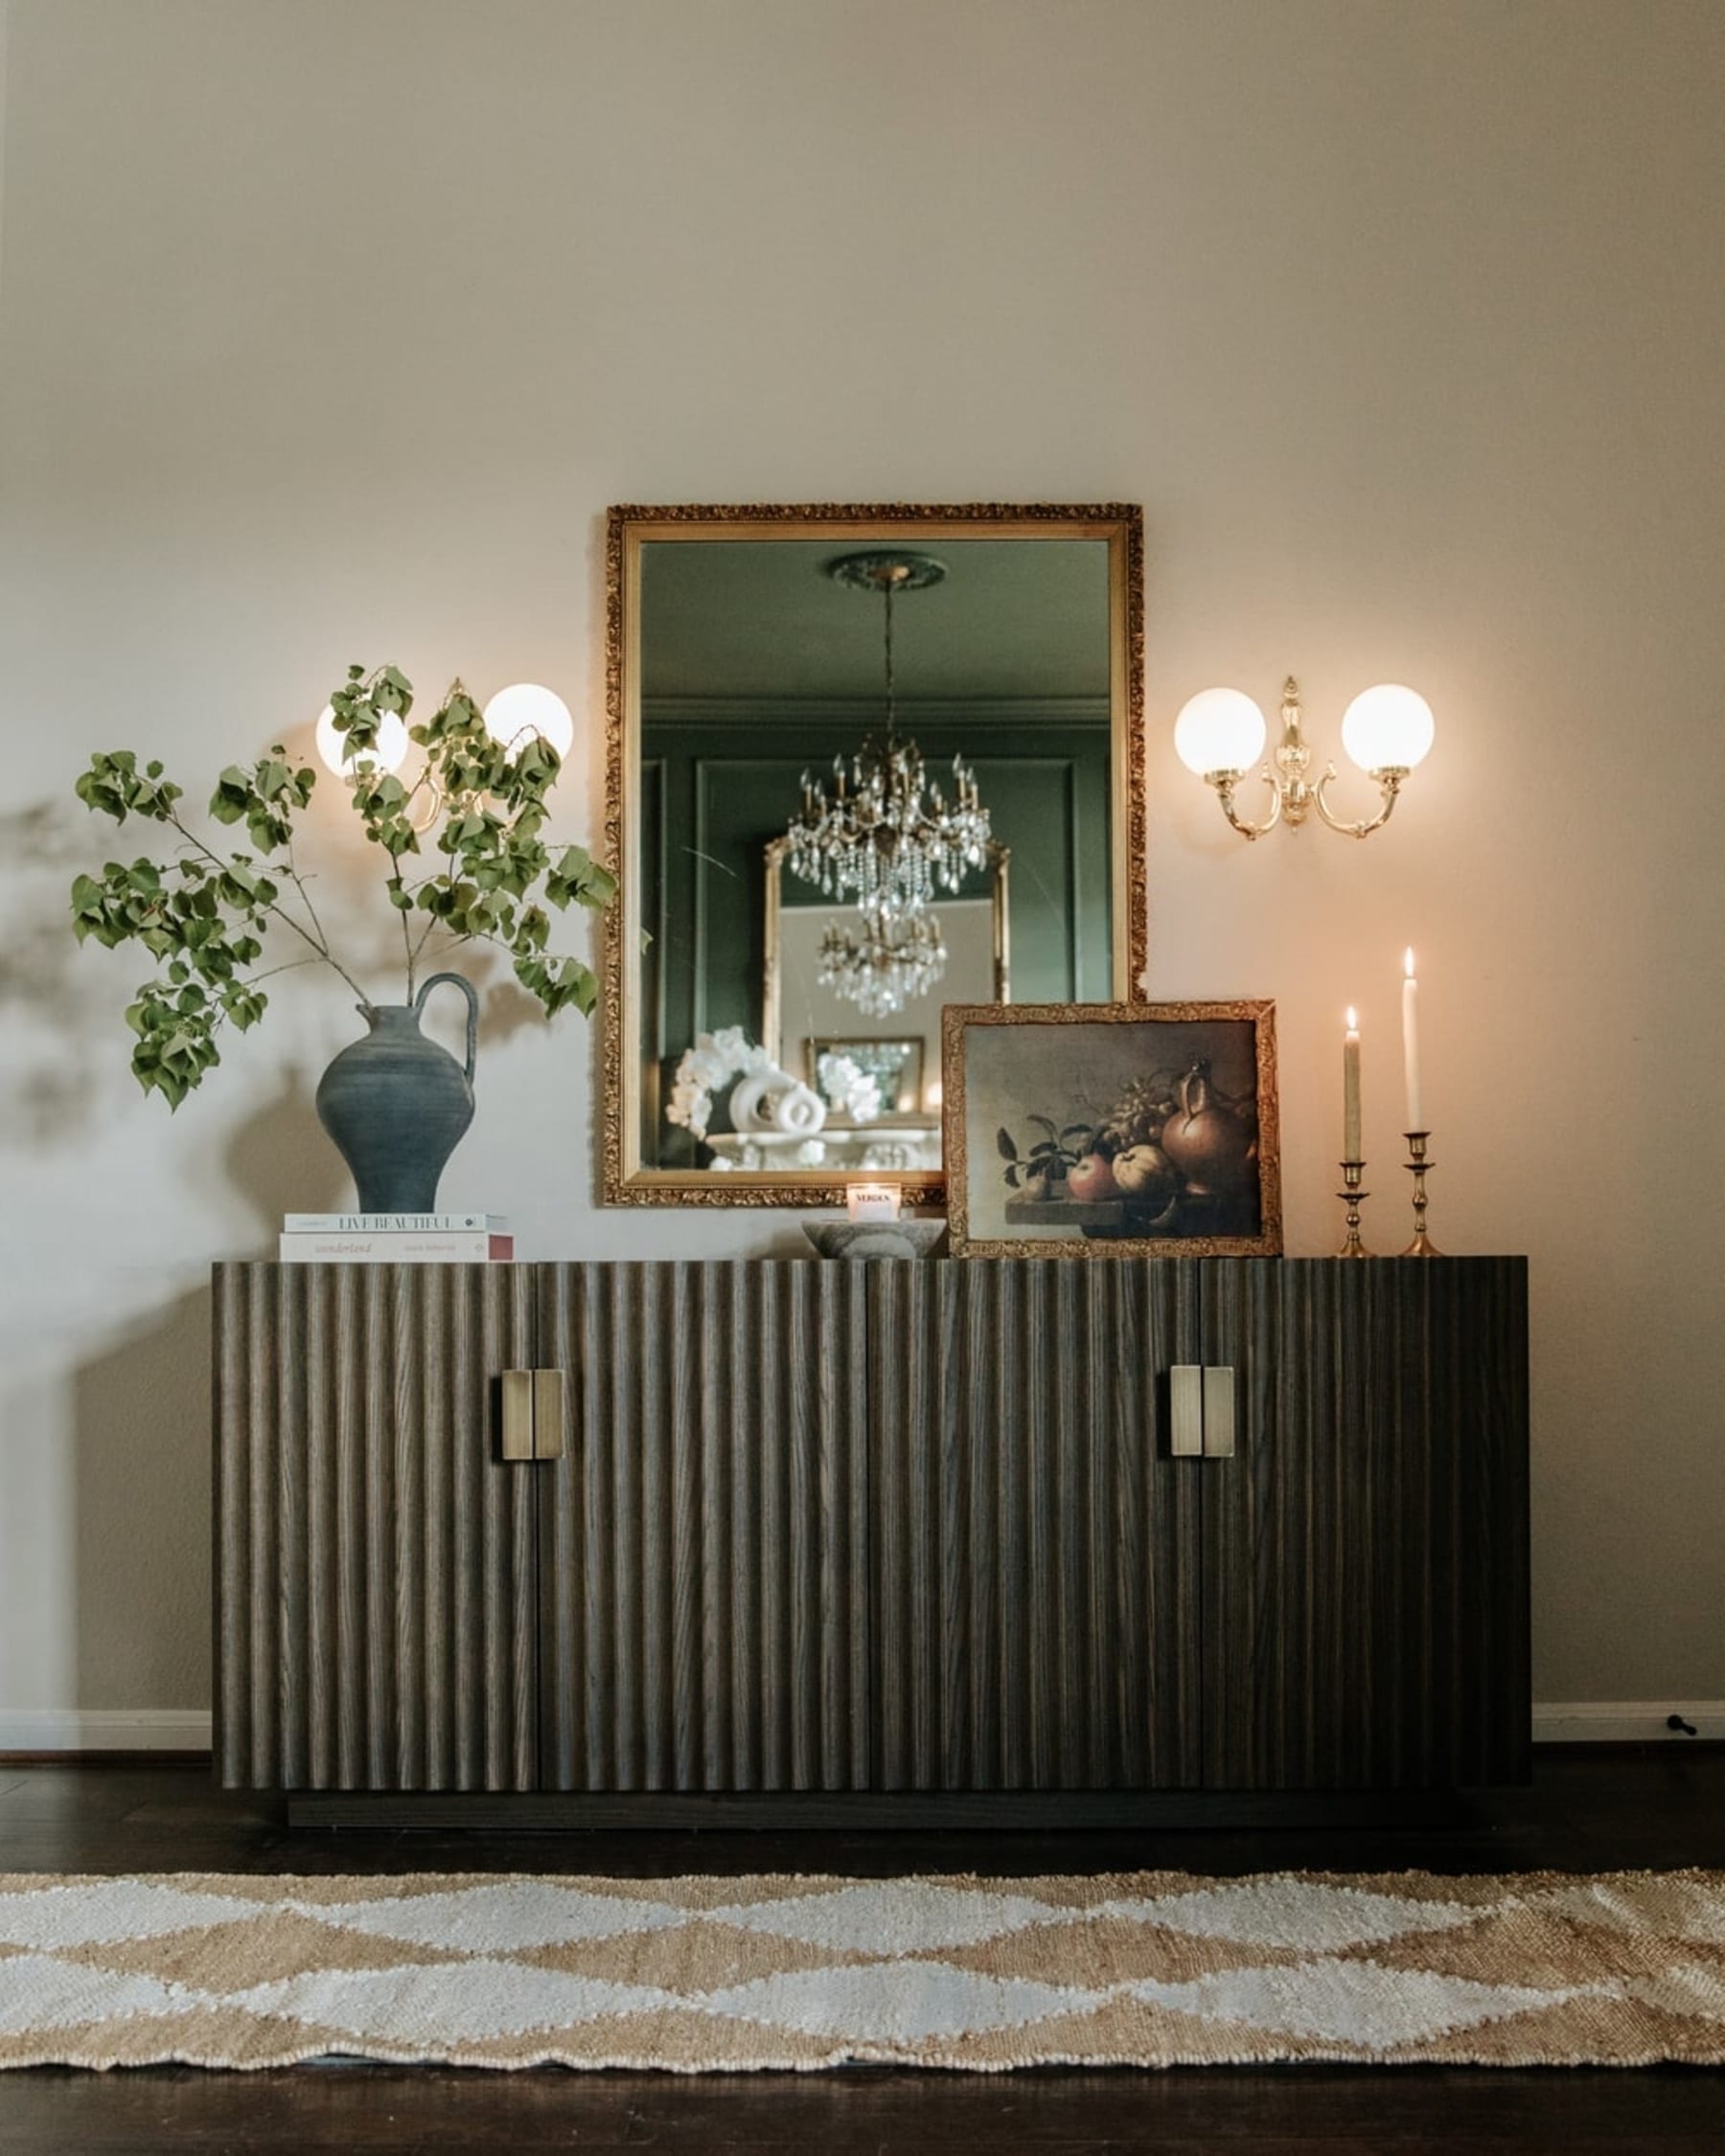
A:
389, 754
1387, 728
525, 708
1219, 730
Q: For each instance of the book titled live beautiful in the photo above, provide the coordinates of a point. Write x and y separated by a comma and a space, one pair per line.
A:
394, 1224
396, 1246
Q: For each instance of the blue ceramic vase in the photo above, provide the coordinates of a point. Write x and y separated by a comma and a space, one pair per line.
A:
397, 1105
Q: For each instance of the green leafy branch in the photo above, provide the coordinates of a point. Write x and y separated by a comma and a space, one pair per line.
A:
205, 915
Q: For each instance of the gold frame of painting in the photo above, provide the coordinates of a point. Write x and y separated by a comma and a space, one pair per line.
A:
959, 1018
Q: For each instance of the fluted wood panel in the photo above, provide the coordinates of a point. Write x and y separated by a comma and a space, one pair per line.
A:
1365, 1550
902, 1527
375, 1589
704, 1541
1036, 1547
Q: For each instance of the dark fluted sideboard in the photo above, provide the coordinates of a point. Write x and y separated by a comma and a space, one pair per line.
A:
954, 1528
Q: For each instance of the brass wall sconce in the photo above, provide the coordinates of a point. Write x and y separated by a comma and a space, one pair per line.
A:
511, 717
1220, 734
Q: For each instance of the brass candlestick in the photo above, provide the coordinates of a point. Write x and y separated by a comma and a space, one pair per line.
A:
1416, 1165
1353, 1198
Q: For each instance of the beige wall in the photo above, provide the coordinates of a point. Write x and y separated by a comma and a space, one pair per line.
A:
330, 326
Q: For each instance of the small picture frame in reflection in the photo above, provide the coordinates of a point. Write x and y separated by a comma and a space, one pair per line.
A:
896, 1067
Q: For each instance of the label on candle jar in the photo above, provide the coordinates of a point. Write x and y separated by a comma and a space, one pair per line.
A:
872, 1201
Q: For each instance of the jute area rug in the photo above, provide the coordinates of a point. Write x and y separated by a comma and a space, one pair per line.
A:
696, 1975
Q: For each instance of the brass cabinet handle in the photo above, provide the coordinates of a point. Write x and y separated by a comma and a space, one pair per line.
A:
1219, 1412
1201, 1412
532, 1415
1186, 1411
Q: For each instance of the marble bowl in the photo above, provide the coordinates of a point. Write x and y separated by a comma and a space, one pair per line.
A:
875, 1238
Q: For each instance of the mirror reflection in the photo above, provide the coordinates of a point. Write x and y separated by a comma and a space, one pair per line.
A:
873, 773
852, 1007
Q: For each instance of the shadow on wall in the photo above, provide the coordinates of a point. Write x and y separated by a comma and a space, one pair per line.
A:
141, 1488
141, 1424
46, 1091
508, 1010
280, 1160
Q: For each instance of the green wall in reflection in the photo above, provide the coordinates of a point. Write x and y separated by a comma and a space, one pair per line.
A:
716, 792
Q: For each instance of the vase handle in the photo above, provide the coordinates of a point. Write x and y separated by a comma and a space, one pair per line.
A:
465, 986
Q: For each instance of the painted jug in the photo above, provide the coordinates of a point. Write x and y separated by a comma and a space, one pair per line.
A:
397, 1105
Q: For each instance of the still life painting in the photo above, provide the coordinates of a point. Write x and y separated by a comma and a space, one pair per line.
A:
1112, 1130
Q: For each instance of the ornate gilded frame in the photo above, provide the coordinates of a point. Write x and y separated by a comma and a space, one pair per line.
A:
623, 1180
959, 1018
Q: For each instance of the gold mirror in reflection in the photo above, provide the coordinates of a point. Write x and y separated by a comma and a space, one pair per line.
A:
854, 1011
831, 731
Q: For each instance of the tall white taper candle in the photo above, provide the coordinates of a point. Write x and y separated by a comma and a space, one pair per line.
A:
1411, 1046
1350, 1089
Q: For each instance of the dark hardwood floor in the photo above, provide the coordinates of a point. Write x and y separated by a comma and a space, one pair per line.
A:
1587, 1811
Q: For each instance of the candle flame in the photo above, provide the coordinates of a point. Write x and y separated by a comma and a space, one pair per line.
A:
1353, 1023
1407, 962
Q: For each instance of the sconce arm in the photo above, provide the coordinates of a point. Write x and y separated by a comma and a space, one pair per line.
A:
1225, 783
1389, 785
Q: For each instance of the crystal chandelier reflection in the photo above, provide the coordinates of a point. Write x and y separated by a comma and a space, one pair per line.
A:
886, 837
885, 964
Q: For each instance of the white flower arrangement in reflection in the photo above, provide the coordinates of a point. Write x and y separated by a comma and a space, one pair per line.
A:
850, 1090
706, 1068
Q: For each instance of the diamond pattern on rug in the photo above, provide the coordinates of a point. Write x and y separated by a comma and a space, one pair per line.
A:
893, 2002
703, 1973
1676, 1906
661, 1960
36, 1990
1682, 1991
488, 1920
459, 2002
115, 1910
254, 1952
1304, 1913
1349, 2002
914, 1913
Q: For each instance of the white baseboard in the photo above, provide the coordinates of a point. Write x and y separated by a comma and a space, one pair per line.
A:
104, 1728
186, 1729
1626, 1721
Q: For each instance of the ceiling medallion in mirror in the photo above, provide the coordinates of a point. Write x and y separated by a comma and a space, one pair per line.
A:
861, 762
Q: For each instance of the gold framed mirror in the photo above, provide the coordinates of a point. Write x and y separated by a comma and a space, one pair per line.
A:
831, 731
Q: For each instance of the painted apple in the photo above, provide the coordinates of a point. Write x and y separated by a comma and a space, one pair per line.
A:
1145, 1172
1091, 1180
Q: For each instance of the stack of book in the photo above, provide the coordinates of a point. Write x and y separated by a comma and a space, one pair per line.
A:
396, 1239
